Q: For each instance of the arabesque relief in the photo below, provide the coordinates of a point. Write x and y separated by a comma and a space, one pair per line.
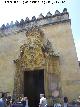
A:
35, 54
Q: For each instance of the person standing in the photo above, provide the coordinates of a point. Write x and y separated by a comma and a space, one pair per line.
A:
65, 102
1, 103
25, 102
26, 99
43, 101
3, 100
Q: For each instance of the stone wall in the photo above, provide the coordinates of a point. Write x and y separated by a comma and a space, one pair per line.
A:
57, 29
63, 43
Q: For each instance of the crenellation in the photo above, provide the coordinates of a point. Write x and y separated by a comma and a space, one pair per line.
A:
27, 19
22, 23
65, 10
48, 14
11, 24
33, 18
57, 12
40, 21
3, 27
7, 25
40, 16
17, 23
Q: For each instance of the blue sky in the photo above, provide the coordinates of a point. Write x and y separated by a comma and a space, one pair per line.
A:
12, 12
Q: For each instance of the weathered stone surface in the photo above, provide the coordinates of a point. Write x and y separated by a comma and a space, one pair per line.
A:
41, 16
58, 32
48, 14
40, 21
57, 12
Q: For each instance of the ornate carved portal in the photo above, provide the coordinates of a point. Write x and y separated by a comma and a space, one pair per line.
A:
34, 55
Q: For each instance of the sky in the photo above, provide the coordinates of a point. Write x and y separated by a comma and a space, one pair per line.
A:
17, 11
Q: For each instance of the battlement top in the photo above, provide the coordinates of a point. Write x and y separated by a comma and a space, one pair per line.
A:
40, 21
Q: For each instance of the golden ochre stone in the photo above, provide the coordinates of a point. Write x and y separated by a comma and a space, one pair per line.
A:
50, 48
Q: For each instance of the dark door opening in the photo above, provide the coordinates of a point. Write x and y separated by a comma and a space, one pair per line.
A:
33, 86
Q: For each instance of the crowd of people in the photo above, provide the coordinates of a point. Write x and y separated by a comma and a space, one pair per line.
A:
8, 101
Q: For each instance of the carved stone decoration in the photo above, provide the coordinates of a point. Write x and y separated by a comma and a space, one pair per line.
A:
31, 53
18, 81
33, 56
